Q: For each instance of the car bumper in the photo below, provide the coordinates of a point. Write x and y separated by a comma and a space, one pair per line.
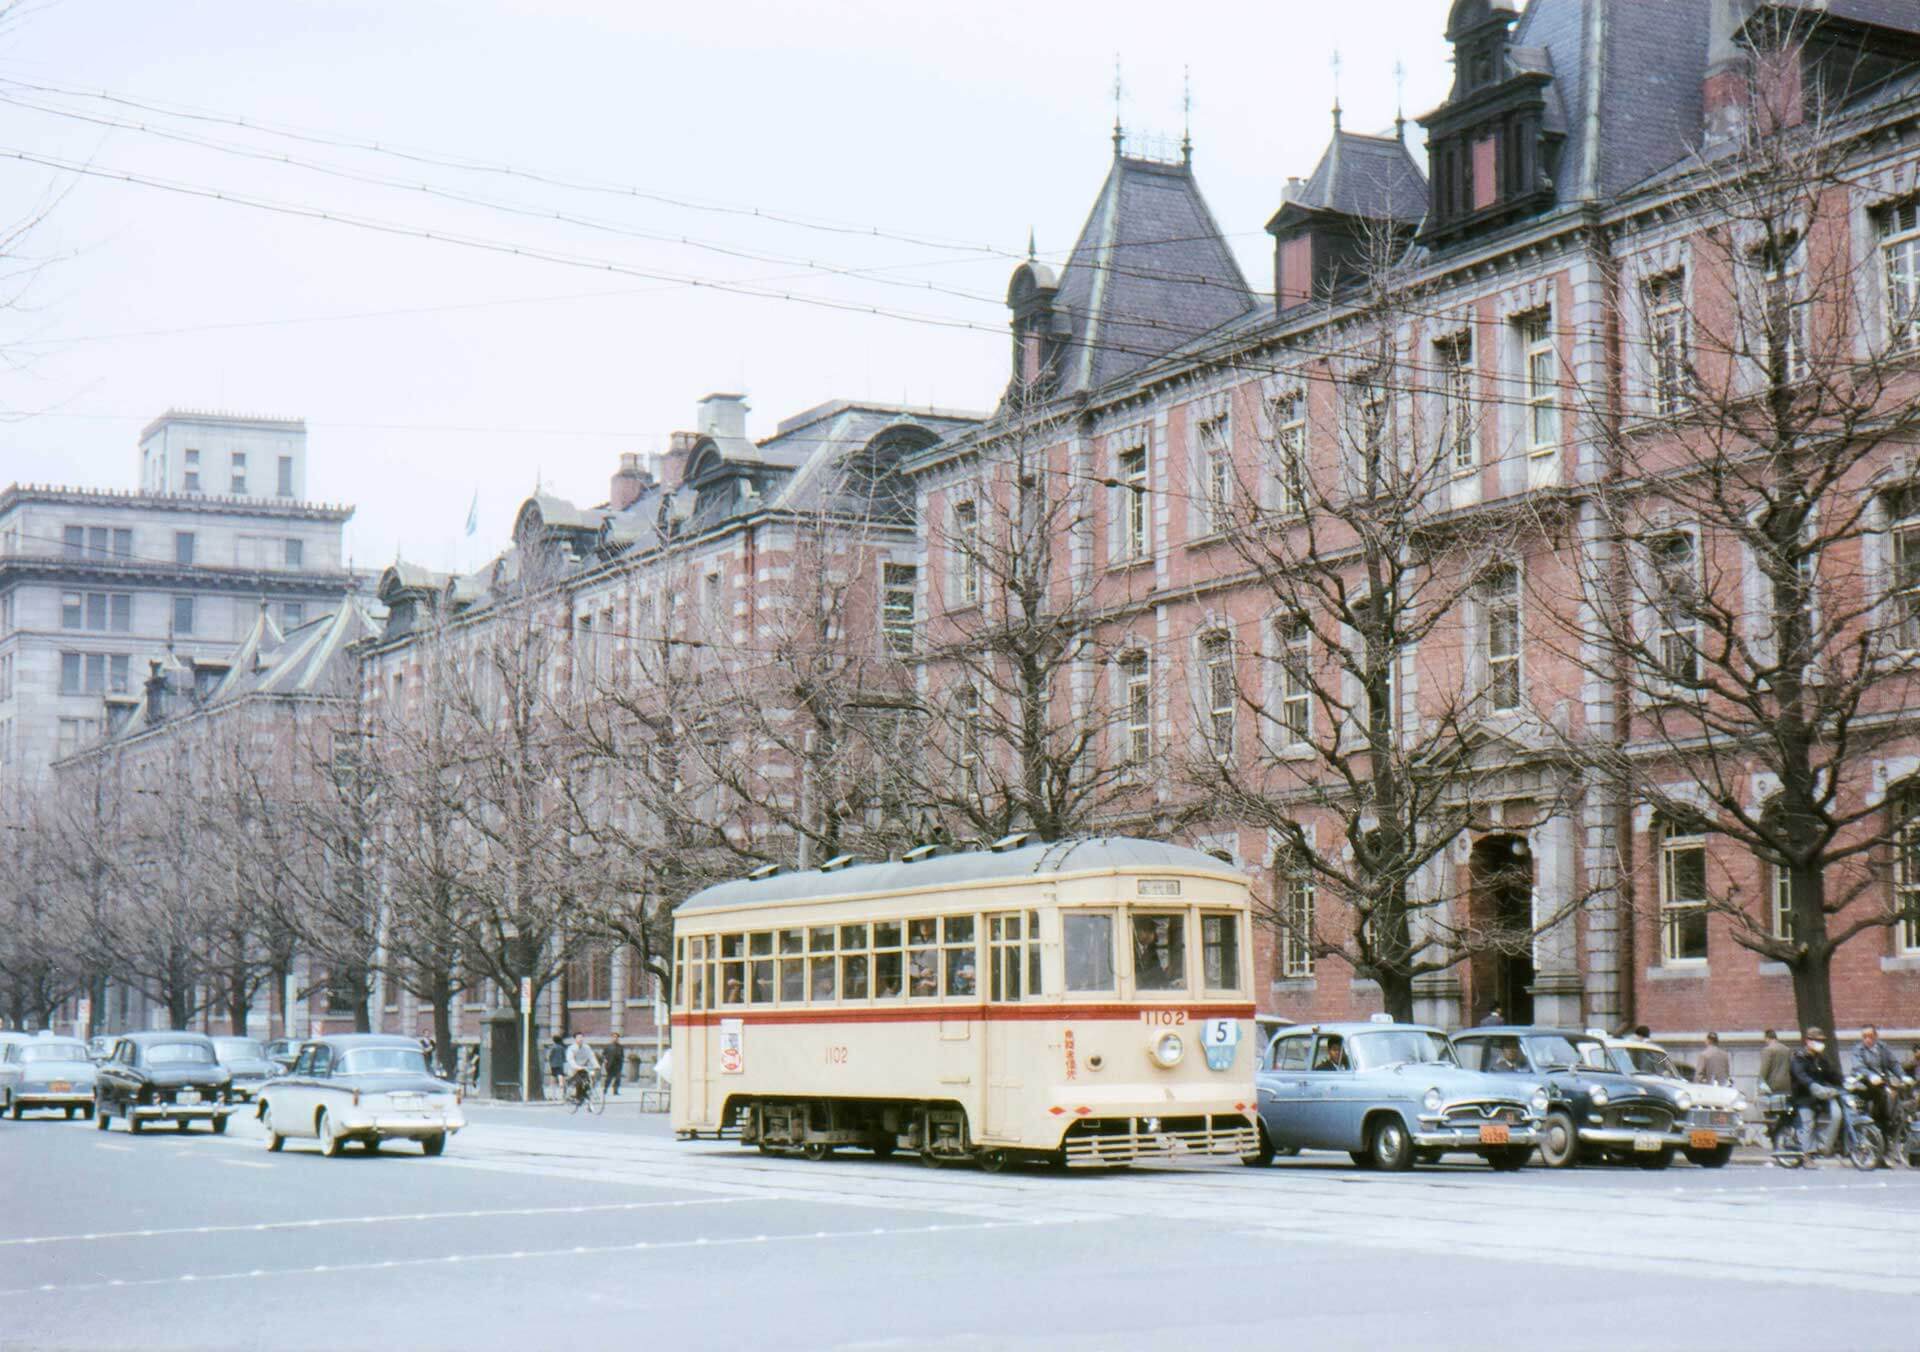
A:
46, 1098
398, 1126
179, 1112
246, 1093
1470, 1138
1625, 1138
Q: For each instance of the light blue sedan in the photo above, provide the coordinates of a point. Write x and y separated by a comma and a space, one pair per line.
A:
46, 1072
1389, 1094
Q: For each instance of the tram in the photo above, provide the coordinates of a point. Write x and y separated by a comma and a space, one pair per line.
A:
1083, 1003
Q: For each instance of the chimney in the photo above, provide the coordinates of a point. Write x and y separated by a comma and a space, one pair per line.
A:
723, 416
671, 468
156, 695
1724, 95
629, 481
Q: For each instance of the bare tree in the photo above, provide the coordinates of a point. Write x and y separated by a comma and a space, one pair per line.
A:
1752, 602
1362, 718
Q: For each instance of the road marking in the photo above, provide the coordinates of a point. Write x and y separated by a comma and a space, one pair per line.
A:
122, 1149
642, 1246
245, 1164
370, 1220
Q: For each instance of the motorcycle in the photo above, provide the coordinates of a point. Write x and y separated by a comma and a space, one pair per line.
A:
1858, 1141
1903, 1127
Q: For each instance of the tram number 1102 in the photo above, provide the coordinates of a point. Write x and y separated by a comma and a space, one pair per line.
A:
1163, 1018
836, 1056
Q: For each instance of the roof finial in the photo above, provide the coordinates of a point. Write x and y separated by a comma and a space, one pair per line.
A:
1118, 135
1186, 116
1400, 101
1032, 253
1336, 88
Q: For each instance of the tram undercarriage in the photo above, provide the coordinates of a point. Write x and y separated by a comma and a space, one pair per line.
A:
937, 1132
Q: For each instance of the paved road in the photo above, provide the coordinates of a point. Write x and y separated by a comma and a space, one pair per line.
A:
537, 1230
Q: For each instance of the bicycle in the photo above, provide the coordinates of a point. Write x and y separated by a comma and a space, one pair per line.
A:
586, 1091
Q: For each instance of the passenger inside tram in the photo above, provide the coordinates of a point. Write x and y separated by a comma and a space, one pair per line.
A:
1160, 953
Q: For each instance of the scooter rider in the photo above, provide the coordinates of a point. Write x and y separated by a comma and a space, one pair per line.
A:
1816, 1086
1874, 1062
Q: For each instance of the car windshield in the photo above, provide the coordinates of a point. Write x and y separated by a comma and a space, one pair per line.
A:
179, 1054
53, 1051
1550, 1051
237, 1049
1645, 1061
385, 1061
1371, 1051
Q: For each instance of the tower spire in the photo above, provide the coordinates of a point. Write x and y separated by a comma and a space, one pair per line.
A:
1032, 252
1186, 116
1336, 88
1400, 101
1119, 136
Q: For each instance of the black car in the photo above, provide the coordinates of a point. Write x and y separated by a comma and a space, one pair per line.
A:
1595, 1113
163, 1077
249, 1064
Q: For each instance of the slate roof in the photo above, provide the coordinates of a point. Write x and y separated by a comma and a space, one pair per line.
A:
1149, 272
1115, 853
1373, 178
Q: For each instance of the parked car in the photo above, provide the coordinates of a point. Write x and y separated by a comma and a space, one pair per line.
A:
364, 1087
1715, 1112
162, 1077
45, 1073
247, 1061
1597, 1112
1389, 1094
99, 1049
283, 1052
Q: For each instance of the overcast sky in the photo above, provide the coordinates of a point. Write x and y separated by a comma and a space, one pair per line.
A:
428, 371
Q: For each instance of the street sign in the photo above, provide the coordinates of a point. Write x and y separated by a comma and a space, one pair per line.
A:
526, 992
84, 1018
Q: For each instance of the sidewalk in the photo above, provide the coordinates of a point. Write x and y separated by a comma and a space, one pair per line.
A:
647, 1099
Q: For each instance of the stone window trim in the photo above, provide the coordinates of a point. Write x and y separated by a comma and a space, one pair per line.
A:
1130, 495
1286, 436
1212, 469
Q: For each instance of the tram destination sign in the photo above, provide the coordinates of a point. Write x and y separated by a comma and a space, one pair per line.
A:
1159, 887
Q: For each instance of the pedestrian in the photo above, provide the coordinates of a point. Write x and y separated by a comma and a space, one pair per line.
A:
1816, 1084
1494, 1018
616, 1064
1714, 1066
1776, 1076
470, 1067
1642, 1032
557, 1060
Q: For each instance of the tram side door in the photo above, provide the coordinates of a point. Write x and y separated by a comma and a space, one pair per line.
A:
696, 1037
1009, 938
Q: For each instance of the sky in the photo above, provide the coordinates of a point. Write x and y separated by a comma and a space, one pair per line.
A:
544, 194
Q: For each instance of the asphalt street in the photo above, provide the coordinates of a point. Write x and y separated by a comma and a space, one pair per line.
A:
537, 1230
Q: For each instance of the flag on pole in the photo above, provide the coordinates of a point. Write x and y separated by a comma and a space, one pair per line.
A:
473, 513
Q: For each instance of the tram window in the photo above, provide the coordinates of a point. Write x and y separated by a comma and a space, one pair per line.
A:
793, 941
1003, 957
1160, 952
888, 971
1089, 945
1220, 952
680, 972
853, 937
1033, 952
820, 939
733, 972
853, 976
821, 986
793, 980
923, 962
760, 971
698, 957
957, 943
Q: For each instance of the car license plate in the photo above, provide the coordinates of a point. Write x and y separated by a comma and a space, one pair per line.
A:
1703, 1140
187, 1096
1494, 1135
61, 1087
1646, 1140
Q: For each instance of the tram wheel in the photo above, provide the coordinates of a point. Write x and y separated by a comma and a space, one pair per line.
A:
995, 1161
928, 1158
816, 1150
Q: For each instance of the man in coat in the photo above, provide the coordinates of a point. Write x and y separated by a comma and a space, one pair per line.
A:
1774, 1058
1874, 1062
1816, 1086
1714, 1067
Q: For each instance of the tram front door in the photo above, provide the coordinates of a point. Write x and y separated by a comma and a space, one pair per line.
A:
1013, 970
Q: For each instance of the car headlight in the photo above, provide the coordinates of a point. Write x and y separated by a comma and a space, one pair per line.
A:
1684, 1100
1432, 1101
1167, 1049
1600, 1096
1538, 1103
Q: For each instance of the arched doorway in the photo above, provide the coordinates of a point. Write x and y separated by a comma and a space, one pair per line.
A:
1500, 876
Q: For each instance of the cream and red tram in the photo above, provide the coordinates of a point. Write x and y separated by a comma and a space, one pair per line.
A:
1085, 1002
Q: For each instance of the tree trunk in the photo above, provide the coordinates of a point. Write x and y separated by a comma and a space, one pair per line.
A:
1396, 994
239, 1002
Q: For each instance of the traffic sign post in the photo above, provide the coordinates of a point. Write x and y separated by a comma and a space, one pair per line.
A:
527, 1080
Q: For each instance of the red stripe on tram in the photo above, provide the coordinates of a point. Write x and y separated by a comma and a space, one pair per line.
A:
959, 1013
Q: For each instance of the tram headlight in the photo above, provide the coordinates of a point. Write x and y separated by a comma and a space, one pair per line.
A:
1166, 1050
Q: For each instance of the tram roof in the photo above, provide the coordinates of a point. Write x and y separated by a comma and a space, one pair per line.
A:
1086, 855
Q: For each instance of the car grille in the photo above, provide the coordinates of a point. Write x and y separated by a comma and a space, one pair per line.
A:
1474, 1114
1638, 1117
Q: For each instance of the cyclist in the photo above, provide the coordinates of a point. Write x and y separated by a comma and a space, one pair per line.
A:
581, 1067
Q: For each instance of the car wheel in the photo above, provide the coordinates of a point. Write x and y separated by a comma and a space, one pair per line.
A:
219, 1125
181, 1124
1262, 1155
329, 1143
86, 1111
1715, 1158
100, 1118
14, 1110
1654, 1159
1363, 1158
274, 1139
135, 1125
69, 1114
1391, 1145
434, 1145
371, 1145
1559, 1142
1511, 1159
